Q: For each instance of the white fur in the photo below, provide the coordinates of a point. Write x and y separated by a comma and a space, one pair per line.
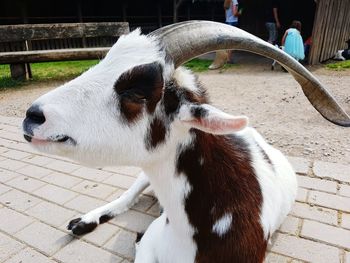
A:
86, 109
222, 225
278, 183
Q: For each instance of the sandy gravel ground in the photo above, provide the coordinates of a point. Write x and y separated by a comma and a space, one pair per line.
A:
272, 100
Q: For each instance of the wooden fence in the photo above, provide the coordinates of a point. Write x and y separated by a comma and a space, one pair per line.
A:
331, 29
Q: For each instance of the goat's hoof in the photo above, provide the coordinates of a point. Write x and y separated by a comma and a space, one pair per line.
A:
79, 227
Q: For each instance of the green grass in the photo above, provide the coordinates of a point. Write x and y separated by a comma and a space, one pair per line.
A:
47, 71
201, 65
343, 65
66, 70
198, 65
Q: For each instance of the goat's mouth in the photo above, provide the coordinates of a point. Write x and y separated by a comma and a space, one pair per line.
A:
52, 139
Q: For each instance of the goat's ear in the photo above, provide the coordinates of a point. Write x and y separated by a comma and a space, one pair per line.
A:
210, 119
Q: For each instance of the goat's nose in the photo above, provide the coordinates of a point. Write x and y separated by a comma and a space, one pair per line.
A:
35, 115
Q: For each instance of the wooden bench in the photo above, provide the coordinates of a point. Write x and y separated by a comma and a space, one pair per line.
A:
29, 43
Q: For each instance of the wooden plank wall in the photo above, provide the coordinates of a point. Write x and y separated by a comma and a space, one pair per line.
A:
331, 29
58, 44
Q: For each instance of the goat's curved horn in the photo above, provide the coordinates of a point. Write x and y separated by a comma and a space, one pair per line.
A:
186, 40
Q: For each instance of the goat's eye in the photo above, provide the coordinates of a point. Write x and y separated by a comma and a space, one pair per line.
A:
133, 95
139, 96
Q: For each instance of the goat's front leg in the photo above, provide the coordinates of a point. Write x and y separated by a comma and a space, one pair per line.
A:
89, 221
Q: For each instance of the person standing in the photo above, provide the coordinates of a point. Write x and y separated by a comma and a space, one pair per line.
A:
231, 18
231, 12
272, 21
292, 41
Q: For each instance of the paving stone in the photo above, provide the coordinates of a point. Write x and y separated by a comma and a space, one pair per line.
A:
316, 213
11, 165
4, 188
330, 201
123, 243
145, 202
12, 136
10, 128
344, 190
121, 181
23, 146
302, 195
38, 160
18, 200
303, 249
133, 220
347, 257
3, 149
6, 175
81, 252
84, 204
101, 234
317, 184
25, 183
117, 193
332, 170
94, 189
300, 165
17, 155
12, 221
274, 258
45, 238
50, 213
62, 166
34, 171
154, 210
126, 170
8, 247
345, 220
61, 179
91, 174
326, 233
290, 225
55, 194
29, 255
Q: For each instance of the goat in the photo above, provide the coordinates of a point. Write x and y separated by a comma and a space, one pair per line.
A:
223, 189
343, 54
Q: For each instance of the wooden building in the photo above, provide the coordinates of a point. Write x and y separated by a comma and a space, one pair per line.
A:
331, 29
327, 21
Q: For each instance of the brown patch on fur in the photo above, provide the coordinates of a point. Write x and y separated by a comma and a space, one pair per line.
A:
140, 87
224, 183
156, 134
130, 110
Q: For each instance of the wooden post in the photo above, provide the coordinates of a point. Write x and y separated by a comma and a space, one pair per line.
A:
80, 12
188, 11
174, 12
124, 7
22, 71
176, 5
18, 71
80, 20
159, 13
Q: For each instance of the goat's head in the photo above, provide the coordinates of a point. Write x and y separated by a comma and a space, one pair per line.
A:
137, 99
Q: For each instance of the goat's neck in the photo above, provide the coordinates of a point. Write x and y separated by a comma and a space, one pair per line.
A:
170, 187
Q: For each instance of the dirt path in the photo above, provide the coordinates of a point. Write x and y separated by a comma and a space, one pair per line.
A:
273, 101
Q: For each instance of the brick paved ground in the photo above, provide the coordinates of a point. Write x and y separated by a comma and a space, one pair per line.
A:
39, 194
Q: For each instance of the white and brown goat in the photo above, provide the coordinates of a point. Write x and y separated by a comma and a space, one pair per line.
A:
223, 189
